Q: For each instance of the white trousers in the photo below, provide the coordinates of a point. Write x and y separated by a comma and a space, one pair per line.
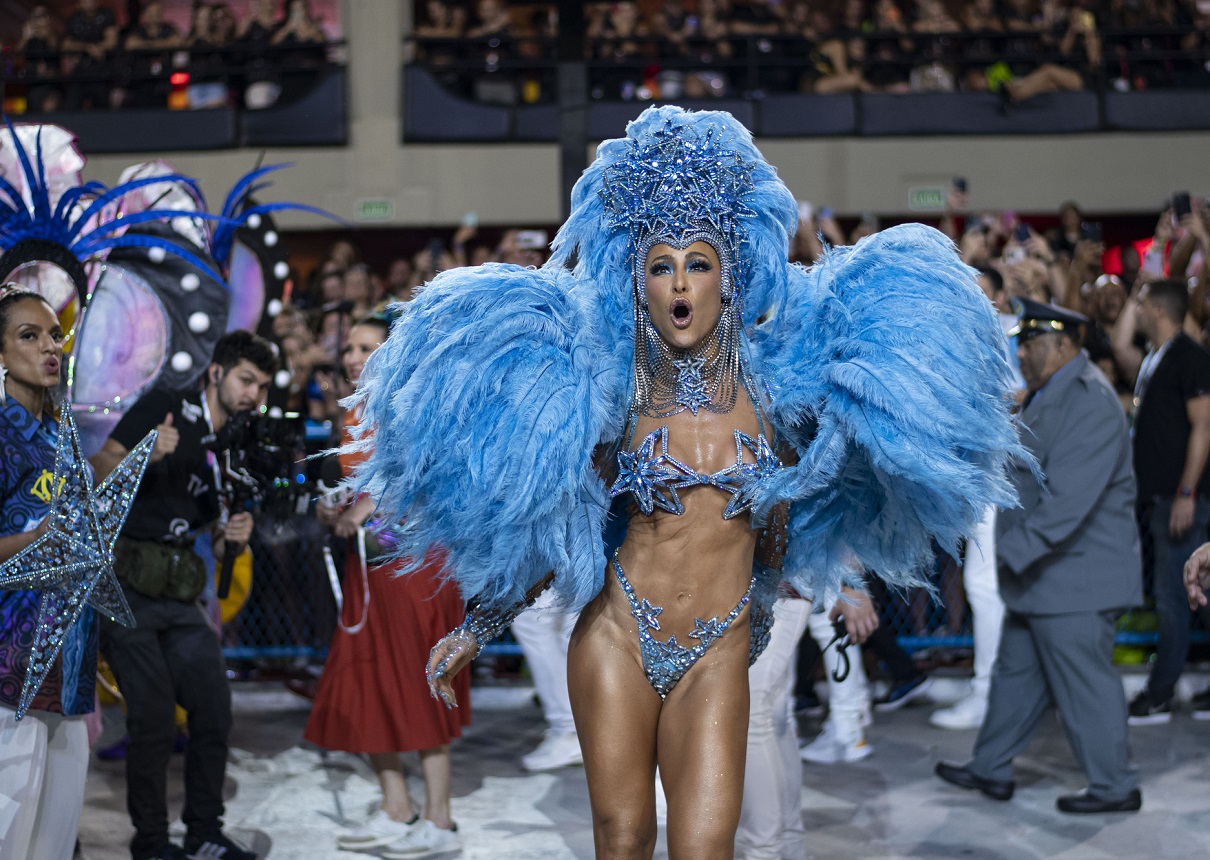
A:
983, 597
848, 700
43, 764
770, 823
543, 631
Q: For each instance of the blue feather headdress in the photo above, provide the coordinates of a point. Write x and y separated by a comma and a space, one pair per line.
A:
679, 174
239, 210
28, 230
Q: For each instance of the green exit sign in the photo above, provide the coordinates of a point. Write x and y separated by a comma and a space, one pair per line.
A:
375, 210
930, 199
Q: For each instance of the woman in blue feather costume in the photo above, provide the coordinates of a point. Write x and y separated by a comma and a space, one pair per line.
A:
669, 387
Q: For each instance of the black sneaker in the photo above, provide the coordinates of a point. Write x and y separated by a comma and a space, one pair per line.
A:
904, 694
1145, 711
217, 846
1200, 705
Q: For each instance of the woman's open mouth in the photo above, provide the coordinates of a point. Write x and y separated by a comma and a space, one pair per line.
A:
681, 312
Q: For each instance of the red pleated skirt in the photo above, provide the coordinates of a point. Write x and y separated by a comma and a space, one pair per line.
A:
373, 696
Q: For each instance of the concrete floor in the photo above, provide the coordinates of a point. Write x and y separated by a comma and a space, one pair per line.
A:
288, 801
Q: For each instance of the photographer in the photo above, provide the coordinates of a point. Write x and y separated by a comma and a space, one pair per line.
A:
173, 656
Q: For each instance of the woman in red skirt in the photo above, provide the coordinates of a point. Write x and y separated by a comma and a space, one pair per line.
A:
373, 697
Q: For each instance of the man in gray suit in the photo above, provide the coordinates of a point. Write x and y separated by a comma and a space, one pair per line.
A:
1068, 566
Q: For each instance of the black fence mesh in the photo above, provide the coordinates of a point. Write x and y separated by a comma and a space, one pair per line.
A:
290, 610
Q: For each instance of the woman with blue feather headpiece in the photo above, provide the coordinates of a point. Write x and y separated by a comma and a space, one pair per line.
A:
663, 423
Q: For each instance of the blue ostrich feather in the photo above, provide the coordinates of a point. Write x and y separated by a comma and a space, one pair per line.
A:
236, 210
69, 198
888, 372
105, 196
19, 222
144, 240
481, 413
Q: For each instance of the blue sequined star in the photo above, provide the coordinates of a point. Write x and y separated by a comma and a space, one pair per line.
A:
72, 564
651, 477
690, 386
651, 614
707, 631
744, 478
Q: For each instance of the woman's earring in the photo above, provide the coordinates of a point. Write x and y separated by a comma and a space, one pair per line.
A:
3, 396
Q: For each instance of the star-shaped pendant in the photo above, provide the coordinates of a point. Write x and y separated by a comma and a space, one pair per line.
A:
690, 386
72, 564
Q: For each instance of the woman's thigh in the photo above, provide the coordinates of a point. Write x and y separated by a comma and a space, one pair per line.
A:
616, 713
703, 731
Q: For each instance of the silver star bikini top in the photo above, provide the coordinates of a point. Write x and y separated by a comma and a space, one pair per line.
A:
654, 476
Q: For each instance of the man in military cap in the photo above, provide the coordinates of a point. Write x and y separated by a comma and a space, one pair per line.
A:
1068, 563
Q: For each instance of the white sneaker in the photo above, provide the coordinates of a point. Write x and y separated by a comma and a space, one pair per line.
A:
558, 749
966, 713
379, 830
828, 748
423, 840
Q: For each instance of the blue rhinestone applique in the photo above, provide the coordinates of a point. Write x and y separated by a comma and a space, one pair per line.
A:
690, 386
665, 663
679, 181
654, 478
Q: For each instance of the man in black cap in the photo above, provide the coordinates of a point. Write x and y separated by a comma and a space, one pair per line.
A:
1068, 563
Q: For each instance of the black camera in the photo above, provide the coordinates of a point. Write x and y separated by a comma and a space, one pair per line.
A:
263, 459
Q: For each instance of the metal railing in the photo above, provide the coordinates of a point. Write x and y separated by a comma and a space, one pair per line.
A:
754, 65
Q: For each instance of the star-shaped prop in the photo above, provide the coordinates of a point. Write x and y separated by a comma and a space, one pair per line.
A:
72, 564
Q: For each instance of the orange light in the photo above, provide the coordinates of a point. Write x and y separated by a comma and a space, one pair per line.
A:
179, 79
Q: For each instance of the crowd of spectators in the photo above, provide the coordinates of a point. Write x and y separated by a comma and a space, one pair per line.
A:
1067, 262
89, 60
343, 289
1071, 265
703, 48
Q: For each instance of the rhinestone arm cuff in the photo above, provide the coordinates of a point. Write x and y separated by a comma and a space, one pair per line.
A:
485, 624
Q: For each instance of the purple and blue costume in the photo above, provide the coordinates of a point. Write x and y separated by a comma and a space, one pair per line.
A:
27, 464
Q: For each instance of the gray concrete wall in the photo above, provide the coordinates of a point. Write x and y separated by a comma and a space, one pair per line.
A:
519, 184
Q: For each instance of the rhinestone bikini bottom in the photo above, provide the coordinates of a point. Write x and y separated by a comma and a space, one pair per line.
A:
665, 663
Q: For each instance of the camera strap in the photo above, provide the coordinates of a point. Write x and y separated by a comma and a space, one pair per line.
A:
211, 457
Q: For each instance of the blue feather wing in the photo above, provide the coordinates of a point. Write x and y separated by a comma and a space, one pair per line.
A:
481, 414
887, 370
